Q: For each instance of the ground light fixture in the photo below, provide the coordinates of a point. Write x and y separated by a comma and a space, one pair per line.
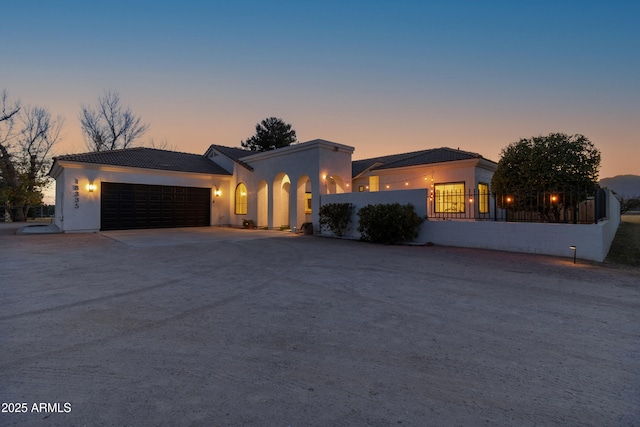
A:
574, 249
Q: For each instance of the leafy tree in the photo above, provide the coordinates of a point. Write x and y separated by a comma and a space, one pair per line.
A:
8, 170
27, 136
271, 133
110, 126
531, 169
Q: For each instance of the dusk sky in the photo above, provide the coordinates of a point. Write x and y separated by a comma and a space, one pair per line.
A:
383, 77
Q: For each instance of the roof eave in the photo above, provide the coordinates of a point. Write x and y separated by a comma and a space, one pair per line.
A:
60, 165
368, 169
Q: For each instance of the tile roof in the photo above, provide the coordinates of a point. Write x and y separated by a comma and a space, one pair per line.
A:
235, 154
415, 158
149, 158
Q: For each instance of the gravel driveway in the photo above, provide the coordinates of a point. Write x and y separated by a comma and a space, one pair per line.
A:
262, 328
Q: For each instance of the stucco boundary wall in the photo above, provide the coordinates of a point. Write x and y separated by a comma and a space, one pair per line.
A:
592, 241
417, 197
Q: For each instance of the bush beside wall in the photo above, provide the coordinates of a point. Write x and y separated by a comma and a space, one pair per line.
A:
336, 217
389, 223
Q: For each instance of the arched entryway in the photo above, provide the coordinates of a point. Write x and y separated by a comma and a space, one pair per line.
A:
335, 184
281, 203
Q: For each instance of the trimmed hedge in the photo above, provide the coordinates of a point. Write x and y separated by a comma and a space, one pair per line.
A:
336, 217
389, 223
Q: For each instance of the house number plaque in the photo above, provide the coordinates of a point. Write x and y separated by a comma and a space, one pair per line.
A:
76, 193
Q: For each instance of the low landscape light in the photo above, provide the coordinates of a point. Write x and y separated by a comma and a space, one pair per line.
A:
575, 250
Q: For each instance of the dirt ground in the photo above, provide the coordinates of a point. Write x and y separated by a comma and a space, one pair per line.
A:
261, 328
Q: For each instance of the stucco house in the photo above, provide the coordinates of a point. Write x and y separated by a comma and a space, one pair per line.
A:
284, 188
458, 181
150, 188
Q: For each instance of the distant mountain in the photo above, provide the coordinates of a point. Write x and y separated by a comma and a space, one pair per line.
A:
624, 185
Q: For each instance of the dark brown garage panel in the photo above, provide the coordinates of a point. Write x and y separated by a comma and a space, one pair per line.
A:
129, 206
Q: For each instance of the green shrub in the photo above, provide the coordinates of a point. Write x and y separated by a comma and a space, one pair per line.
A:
336, 216
389, 223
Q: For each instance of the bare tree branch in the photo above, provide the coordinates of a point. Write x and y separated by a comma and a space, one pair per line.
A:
40, 133
110, 126
161, 145
8, 109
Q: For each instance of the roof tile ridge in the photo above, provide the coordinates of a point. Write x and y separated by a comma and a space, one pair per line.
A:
471, 153
89, 153
171, 151
410, 155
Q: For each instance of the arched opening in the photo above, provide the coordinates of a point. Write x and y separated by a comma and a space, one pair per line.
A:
281, 203
303, 205
263, 204
335, 184
241, 199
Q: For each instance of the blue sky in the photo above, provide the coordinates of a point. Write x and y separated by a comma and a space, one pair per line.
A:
384, 77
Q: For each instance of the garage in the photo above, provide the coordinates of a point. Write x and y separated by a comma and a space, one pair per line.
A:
133, 206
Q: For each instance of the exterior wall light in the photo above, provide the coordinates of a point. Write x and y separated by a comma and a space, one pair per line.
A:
91, 188
217, 193
574, 249
554, 198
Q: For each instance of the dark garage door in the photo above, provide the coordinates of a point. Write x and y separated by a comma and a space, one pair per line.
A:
129, 206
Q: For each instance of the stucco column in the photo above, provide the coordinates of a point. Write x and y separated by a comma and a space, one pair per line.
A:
271, 190
293, 207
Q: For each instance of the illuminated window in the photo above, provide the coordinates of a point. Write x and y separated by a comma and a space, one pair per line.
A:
307, 206
361, 188
373, 183
483, 198
241, 199
450, 197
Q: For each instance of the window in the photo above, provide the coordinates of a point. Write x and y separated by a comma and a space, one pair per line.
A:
450, 197
307, 205
373, 183
241, 199
483, 198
